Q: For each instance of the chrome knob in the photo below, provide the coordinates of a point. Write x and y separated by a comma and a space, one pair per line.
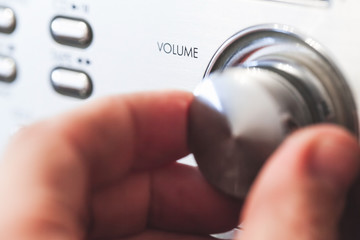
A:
237, 120
259, 87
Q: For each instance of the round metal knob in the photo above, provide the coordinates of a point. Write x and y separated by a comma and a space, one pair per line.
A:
237, 120
263, 83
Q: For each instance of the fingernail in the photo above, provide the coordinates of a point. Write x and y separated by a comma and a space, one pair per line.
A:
336, 158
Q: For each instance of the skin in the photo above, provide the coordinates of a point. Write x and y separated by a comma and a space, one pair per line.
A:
108, 171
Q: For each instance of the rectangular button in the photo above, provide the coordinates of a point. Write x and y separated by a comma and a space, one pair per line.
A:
72, 32
71, 83
7, 20
7, 69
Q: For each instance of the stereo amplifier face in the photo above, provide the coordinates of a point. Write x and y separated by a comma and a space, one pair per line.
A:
56, 55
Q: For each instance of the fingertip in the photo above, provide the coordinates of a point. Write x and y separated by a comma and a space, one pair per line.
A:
326, 151
336, 157
304, 185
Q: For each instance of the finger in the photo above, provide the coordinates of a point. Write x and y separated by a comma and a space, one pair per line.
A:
50, 164
143, 130
301, 192
122, 208
183, 201
175, 198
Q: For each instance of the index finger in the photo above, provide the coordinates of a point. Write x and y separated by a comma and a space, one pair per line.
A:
53, 164
117, 134
61, 159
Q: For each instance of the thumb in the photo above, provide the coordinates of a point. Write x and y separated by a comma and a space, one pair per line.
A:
301, 191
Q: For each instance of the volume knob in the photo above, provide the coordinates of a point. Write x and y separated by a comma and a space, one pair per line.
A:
262, 84
237, 120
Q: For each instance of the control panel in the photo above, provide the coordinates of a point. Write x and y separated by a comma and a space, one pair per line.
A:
56, 55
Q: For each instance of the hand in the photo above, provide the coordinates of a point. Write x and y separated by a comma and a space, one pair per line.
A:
108, 171
301, 192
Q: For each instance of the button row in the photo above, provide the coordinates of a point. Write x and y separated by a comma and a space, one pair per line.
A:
76, 33
7, 20
71, 82
65, 81
66, 31
7, 64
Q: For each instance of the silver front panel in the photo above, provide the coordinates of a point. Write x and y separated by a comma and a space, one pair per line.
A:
141, 45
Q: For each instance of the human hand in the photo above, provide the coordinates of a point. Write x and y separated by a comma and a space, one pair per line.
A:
300, 194
108, 171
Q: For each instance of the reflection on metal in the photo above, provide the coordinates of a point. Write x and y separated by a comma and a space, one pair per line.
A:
236, 125
7, 20
8, 69
72, 32
262, 84
71, 83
